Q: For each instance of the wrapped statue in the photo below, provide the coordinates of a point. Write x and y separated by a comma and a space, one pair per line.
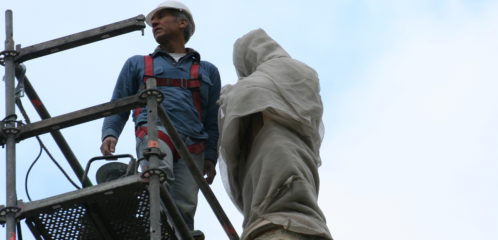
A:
270, 135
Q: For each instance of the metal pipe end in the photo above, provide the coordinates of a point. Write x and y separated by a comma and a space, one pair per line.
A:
8, 15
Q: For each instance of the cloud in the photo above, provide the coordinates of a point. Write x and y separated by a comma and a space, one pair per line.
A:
421, 130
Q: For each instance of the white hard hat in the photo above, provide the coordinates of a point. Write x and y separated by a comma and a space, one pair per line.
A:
174, 5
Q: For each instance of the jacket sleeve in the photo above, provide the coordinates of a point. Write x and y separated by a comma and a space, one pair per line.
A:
211, 118
126, 85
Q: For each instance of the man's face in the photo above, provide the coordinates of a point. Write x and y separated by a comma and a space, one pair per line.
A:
165, 25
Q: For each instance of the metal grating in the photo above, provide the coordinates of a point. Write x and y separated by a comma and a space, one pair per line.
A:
121, 213
65, 223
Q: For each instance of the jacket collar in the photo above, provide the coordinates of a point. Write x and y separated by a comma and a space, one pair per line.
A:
191, 53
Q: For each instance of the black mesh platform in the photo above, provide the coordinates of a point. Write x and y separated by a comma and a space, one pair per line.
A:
117, 210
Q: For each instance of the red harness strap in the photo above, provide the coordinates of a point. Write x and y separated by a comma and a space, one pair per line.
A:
196, 148
196, 92
149, 67
148, 73
193, 84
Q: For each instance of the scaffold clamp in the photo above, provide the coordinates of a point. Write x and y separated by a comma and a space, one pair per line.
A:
154, 171
152, 92
7, 53
6, 210
9, 126
150, 151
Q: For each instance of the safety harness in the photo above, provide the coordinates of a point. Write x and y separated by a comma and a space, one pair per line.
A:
193, 84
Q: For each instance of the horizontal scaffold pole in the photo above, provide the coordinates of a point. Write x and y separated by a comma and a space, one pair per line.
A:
81, 116
82, 38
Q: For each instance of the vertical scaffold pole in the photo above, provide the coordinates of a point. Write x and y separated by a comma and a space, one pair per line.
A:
154, 181
152, 153
9, 122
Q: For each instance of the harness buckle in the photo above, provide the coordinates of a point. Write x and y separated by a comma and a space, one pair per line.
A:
146, 77
183, 83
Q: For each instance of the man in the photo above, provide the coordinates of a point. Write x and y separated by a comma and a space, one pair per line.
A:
270, 137
192, 109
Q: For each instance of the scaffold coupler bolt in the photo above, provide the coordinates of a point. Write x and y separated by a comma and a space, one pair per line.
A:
9, 126
6, 210
151, 92
154, 171
7, 53
149, 152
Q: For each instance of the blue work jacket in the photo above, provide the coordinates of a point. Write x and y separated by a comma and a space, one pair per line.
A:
178, 101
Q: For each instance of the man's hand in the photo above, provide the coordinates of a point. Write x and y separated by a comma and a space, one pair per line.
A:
209, 170
108, 146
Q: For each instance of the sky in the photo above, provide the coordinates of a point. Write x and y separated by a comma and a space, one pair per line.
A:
408, 87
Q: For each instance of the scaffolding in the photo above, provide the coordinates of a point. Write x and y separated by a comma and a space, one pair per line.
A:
137, 206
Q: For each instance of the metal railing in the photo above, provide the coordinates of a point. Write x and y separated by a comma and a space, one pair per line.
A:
12, 131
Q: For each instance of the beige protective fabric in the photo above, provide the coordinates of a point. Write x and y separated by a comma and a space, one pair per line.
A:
269, 139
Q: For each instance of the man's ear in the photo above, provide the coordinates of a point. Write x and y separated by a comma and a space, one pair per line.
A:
183, 23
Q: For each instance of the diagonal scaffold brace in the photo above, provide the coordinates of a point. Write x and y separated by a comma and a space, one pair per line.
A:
196, 173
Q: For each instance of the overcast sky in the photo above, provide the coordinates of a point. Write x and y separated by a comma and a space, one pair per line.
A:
409, 91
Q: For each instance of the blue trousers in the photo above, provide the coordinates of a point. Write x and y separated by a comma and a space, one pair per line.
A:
179, 182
